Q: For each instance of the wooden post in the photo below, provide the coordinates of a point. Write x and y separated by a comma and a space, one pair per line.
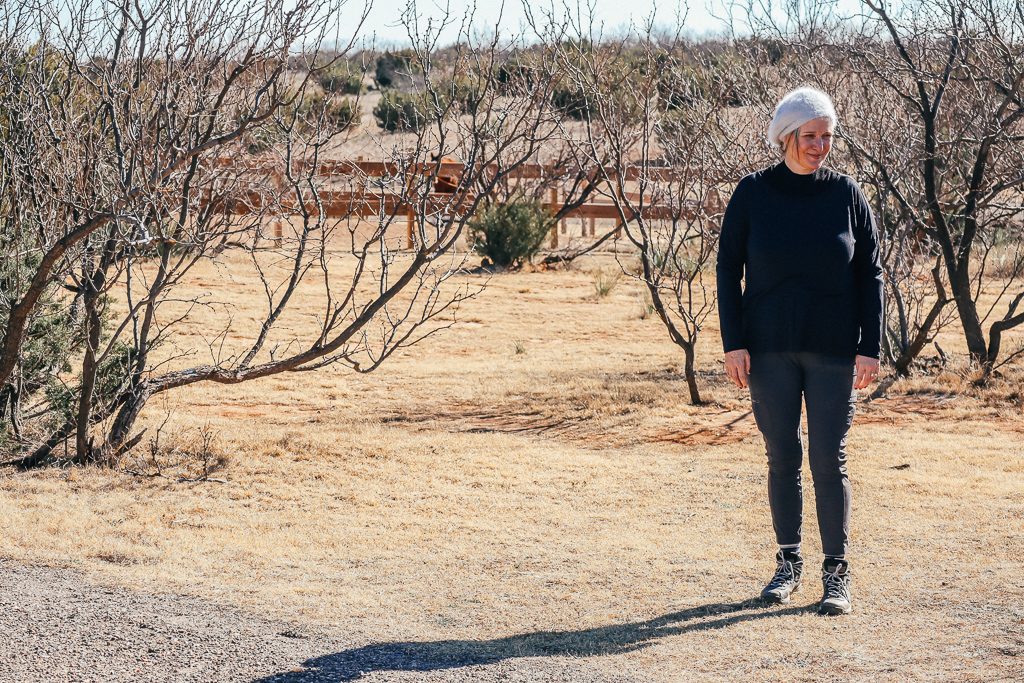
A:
410, 221
278, 232
593, 226
554, 228
410, 212
714, 202
618, 226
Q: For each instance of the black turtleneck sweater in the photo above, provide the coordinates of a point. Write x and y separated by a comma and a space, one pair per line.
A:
807, 248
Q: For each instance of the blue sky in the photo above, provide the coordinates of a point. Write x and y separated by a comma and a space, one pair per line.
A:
384, 18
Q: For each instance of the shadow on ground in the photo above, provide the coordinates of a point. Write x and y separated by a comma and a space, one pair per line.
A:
350, 665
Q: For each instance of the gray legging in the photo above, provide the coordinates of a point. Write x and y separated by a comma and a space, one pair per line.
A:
778, 383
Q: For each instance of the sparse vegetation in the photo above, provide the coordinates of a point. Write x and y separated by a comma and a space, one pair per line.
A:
399, 112
342, 79
587, 457
573, 101
344, 113
645, 305
605, 280
188, 456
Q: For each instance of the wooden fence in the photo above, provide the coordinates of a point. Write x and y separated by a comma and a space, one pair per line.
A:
373, 202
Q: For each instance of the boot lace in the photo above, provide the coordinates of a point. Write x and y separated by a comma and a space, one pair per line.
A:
785, 573
836, 586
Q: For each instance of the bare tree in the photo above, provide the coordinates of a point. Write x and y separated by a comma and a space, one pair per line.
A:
916, 301
805, 46
113, 110
670, 144
562, 175
145, 153
945, 81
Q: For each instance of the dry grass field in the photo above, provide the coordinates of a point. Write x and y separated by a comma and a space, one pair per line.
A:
531, 485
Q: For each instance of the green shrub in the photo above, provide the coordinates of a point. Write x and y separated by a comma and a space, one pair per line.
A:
53, 335
515, 77
332, 111
400, 112
344, 112
312, 103
342, 79
467, 93
509, 234
572, 102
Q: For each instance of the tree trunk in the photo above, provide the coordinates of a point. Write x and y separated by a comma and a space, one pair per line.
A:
687, 345
1010, 320
921, 339
5, 397
43, 454
118, 440
691, 374
912, 349
960, 283
83, 418
15, 403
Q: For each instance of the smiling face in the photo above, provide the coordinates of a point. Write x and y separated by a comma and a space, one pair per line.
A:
807, 148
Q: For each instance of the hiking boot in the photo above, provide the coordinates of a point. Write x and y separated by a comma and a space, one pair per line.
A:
788, 568
835, 578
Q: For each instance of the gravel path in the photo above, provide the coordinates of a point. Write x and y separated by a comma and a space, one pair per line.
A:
56, 626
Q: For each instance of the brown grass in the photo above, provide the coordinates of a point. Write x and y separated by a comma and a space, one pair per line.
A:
469, 493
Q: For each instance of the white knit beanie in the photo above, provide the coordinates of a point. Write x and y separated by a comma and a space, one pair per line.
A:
797, 108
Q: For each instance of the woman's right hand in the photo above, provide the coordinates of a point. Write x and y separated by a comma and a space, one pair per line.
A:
737, 366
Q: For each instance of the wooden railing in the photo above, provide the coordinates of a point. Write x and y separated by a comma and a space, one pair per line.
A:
366, 203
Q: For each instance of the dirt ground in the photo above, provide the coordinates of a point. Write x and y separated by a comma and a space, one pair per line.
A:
529, 496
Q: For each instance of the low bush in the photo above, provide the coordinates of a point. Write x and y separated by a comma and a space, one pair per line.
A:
330, 111
311, 104
342, 79
344, 112
605, 281
515, 77
572, 102
509, 235
401, 112
467, 92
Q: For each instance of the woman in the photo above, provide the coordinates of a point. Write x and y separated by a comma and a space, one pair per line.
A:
805, 326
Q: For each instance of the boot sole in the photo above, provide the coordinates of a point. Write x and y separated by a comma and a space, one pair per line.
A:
833, 610
773, 599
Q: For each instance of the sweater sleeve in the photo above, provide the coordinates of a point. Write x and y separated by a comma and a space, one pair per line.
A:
868, 270
732, 257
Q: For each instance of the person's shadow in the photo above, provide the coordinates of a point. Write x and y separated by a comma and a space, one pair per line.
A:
350, 665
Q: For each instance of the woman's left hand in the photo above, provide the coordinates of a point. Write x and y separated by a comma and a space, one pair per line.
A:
867, 371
